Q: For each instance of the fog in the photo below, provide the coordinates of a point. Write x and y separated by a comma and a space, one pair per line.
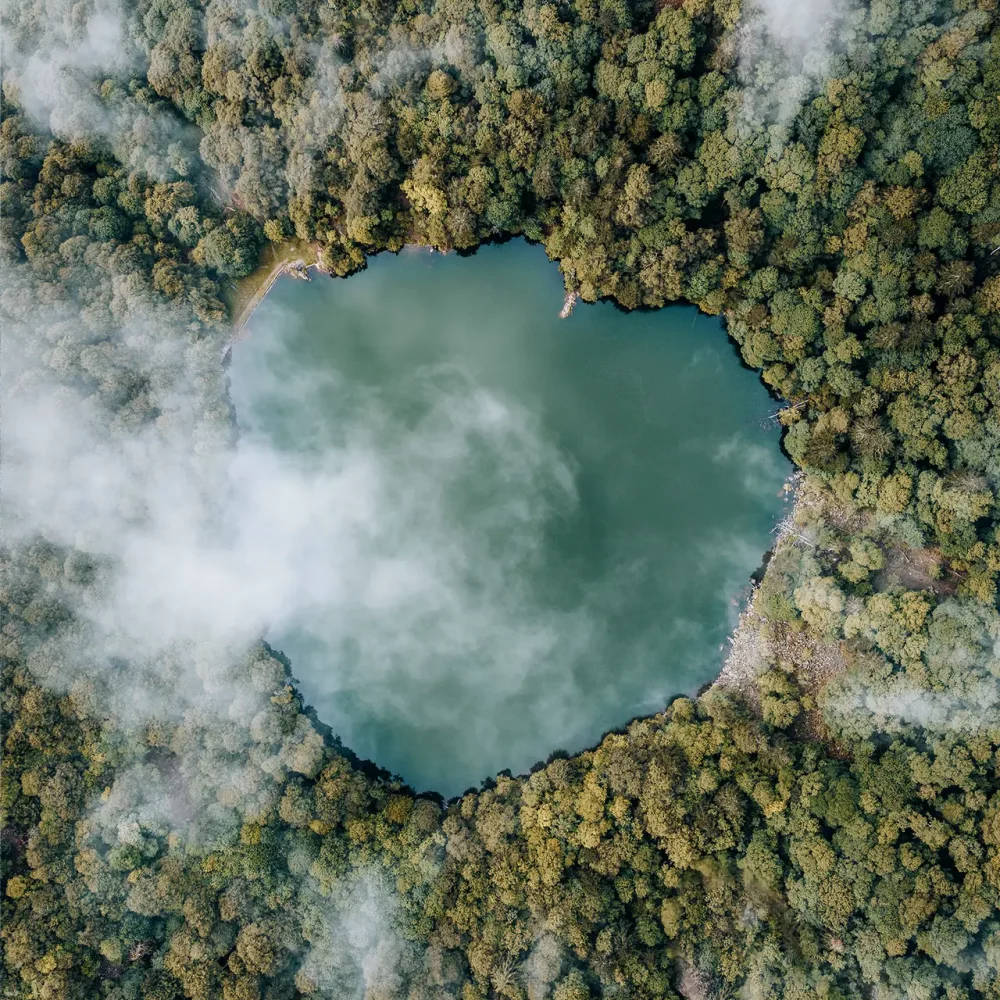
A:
786, 50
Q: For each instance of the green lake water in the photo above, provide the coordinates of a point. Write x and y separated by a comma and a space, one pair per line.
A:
523, 531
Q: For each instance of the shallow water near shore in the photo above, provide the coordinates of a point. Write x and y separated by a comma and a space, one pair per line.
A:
541, 526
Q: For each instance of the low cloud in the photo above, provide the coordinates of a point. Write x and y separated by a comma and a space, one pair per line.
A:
54, 61
902, 703
66, 66
786, 50
355, 949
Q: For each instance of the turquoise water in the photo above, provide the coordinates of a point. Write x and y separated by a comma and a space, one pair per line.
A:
536, 529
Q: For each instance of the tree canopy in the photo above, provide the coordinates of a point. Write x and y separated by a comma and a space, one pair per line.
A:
828, 827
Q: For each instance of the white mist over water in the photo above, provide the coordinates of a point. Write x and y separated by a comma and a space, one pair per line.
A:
543, 523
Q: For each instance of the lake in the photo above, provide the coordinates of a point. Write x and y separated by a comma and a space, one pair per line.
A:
537, 529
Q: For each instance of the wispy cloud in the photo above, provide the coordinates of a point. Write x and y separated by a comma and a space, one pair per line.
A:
785, 51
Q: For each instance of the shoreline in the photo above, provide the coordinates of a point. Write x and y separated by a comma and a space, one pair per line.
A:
296, 255
747, 647
296, 261
297, 264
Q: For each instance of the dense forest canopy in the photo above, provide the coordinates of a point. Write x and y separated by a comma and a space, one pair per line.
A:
824, 179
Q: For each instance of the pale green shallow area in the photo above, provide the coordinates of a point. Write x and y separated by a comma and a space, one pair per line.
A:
540, 527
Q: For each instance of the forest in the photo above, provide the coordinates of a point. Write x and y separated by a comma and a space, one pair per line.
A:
176, 823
